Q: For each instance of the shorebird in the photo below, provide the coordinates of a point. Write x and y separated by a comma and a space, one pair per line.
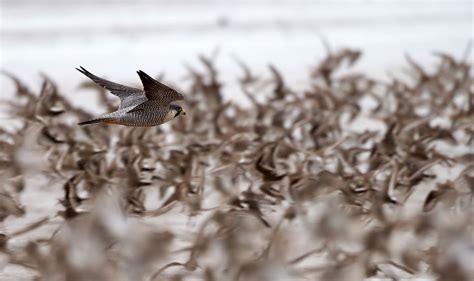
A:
149, 107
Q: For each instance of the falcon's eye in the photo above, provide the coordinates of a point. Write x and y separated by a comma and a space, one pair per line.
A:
179, 111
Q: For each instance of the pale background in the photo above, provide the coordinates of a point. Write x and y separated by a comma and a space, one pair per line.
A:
116, 38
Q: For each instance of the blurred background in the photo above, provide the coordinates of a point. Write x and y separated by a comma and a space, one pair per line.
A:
116, 38
55, 169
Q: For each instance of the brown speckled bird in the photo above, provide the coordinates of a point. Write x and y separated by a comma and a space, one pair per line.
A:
139, 108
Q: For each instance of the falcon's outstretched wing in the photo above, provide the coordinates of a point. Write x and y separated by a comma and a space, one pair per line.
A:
157, 91
129, 96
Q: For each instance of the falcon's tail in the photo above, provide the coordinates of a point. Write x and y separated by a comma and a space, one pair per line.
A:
99, 120
92, 121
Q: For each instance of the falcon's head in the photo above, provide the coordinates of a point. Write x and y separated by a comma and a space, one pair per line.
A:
176, 110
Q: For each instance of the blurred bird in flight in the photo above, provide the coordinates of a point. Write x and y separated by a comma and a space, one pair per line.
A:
149, 107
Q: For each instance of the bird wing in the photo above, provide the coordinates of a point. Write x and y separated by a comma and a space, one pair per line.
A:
128, 95
157, 91
148, 106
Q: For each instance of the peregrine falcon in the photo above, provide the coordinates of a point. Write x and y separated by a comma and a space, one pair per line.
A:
139, 108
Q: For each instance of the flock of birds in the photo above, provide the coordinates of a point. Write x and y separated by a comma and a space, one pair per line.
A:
289, 188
